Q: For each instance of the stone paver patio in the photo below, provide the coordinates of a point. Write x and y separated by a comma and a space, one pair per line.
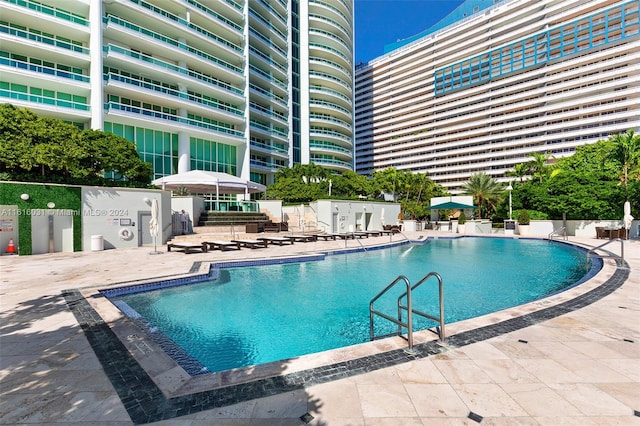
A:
572, 359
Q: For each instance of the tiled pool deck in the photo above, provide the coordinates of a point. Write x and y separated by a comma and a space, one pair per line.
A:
68, 357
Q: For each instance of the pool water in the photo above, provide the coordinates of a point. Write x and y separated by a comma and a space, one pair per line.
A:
255, 315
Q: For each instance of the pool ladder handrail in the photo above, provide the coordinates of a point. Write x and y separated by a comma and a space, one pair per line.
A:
615, 256
557, 232
409, 308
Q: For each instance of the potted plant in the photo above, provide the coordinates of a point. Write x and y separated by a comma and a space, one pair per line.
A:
523, 222
462, 219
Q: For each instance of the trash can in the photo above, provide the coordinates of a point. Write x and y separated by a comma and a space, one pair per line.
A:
97, 243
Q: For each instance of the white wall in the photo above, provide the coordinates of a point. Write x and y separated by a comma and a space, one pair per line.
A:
107, 211
194, 206
580, 228
272, 208
354, 215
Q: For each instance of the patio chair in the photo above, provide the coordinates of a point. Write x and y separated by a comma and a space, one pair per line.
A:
601, 233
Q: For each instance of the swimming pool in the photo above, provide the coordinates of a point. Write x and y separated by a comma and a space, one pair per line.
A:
254, 315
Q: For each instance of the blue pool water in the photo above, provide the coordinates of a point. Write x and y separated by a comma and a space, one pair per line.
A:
254, 315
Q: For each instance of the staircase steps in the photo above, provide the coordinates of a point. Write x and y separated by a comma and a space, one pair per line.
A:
215, 218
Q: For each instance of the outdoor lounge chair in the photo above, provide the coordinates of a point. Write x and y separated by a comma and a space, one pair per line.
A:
188, 247
327, 236
346, 236
303, 238
276, 240
251, 243
222, 245
601, 233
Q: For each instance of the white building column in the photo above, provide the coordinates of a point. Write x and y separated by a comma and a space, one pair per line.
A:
95, 69
184, 146
184, 153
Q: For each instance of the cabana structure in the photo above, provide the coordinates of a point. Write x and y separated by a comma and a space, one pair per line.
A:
204, 182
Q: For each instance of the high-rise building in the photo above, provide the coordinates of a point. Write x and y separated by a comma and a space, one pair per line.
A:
495, 82
244, 87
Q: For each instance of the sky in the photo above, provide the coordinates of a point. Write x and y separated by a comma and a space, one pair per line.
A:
379, 22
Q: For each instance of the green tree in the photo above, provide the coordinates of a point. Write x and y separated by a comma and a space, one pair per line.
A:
350, 184
627, 152
538, 166
50, 150
585, 185
486, 192
300, 183
386, 181
519, 171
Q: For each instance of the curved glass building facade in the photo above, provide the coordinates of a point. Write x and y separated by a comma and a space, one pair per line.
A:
220, 86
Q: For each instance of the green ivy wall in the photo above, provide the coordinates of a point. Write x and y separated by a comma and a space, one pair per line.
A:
64, 197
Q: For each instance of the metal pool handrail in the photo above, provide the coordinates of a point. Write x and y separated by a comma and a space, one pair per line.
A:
557, 232
615, 256
408, 308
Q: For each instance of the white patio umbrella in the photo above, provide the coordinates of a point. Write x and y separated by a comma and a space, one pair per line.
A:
627, 219
154, 226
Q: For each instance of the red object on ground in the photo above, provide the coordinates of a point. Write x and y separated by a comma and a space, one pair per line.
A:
11, 248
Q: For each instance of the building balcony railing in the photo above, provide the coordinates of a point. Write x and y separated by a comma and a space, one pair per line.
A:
43, 70
330, 162
330, 77
271, 166
267, 23
329, 105
171, 92
332, 8
330, 35
269, 95
331, 64
268, 77
329, 119
52, 11
326, 146
268, 59
332, 50
5, 29
331, 92
268, 129
274, 12
271, 113
45, 100
319, 131
171, 67
331, 22
170, 117
217, 16
182, 46
269, 148
192, 26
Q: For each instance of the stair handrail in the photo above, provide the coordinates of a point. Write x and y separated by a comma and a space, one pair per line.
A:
440, 319
562, 229
615, 256
408, 325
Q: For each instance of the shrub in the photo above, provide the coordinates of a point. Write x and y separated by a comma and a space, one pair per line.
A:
462, 219
523, 217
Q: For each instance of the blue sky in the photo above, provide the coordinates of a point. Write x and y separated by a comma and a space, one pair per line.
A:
379, 22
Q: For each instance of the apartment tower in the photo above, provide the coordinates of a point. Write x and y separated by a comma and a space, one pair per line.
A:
244, 87
496, 81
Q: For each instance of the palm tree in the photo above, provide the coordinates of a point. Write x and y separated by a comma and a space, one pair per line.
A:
627, 152
519, 171
485, 191
538, 166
